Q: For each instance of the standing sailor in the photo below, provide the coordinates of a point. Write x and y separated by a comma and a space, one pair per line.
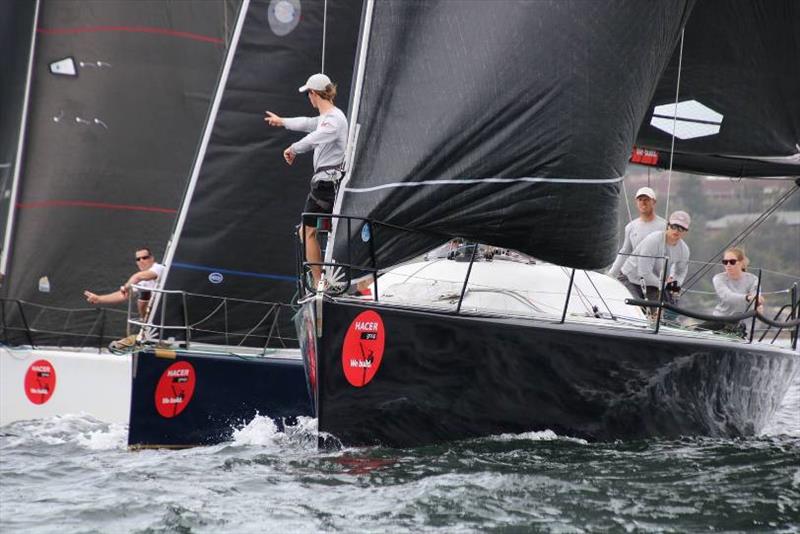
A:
636, 230
328, 139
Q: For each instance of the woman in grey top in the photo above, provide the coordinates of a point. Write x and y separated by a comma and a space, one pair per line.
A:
736, 289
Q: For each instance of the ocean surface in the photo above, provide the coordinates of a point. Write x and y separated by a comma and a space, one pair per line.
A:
74, 474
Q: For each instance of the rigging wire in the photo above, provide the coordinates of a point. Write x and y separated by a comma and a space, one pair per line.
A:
324, 32
694, 278
674, 124
625, 193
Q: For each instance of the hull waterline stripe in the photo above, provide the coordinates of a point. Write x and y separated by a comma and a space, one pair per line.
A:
130, 29
207, 269
96, 205
484, 181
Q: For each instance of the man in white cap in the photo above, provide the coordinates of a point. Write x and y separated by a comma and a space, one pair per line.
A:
636, 230
328, 139
645, 266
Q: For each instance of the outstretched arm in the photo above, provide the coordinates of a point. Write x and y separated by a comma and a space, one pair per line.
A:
117, 297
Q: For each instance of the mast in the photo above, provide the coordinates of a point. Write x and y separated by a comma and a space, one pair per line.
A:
172, 245
4, 255
352, 137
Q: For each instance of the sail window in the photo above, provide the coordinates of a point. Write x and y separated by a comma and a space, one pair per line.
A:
64, 67
689, 119
283, 16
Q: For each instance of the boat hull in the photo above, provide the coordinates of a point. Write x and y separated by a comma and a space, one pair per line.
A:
183, 399
41, 382
442, 377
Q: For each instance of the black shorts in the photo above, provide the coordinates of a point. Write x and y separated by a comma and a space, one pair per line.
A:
319, 200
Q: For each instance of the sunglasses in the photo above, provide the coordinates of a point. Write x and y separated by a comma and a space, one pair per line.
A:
678, 227
729, 262
140, 258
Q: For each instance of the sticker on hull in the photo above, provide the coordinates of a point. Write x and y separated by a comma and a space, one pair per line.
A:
40, 381
363, 346
175, 389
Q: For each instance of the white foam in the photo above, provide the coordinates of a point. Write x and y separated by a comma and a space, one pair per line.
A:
260, 431
539, 435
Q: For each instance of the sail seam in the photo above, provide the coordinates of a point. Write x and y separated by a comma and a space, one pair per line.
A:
193, 267
530, 179
131, 29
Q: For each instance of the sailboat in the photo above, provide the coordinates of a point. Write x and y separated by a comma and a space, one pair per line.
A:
231, 264
115, 98
504, 129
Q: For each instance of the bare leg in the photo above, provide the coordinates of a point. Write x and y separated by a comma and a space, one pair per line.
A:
142, 306
313, 252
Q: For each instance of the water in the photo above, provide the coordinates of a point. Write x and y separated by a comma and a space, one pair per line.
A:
74, 474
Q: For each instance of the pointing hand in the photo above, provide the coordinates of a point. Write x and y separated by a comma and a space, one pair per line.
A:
272, 119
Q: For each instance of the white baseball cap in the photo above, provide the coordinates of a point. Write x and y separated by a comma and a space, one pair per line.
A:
645, 191
317, 82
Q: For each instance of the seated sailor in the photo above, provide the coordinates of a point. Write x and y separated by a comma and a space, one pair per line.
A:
146, 277
736, 289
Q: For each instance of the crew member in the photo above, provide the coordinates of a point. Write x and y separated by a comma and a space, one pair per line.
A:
328, 139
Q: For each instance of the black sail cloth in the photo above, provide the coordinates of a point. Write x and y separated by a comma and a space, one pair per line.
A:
739, 93
239, 238
108, 149
507, 122
16, 24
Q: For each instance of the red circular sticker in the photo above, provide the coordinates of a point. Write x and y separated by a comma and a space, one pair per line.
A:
40, 381
362, 350
175, 389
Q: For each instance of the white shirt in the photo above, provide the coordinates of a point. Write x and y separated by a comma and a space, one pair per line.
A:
158, 270
635, 231
328, 137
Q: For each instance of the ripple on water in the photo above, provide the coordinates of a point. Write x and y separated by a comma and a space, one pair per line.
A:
78, 470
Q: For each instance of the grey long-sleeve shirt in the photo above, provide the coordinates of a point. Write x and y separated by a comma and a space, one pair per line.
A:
328, 137
635, 231
647, 263
732, 292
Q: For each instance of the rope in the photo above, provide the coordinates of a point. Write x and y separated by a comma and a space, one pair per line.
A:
694, 278
625, 192
324, 32
674, 123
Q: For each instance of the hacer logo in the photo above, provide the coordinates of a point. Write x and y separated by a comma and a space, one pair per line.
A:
689, 119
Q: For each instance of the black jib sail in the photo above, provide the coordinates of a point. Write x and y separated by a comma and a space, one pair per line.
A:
239, 239
505, 122
119, 95
737, 80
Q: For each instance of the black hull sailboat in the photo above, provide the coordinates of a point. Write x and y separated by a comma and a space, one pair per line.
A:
444, 377
527, 153
189, 398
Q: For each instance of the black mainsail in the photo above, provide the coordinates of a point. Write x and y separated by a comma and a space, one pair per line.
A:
496, 124
238, 239
737, 80
119, 94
